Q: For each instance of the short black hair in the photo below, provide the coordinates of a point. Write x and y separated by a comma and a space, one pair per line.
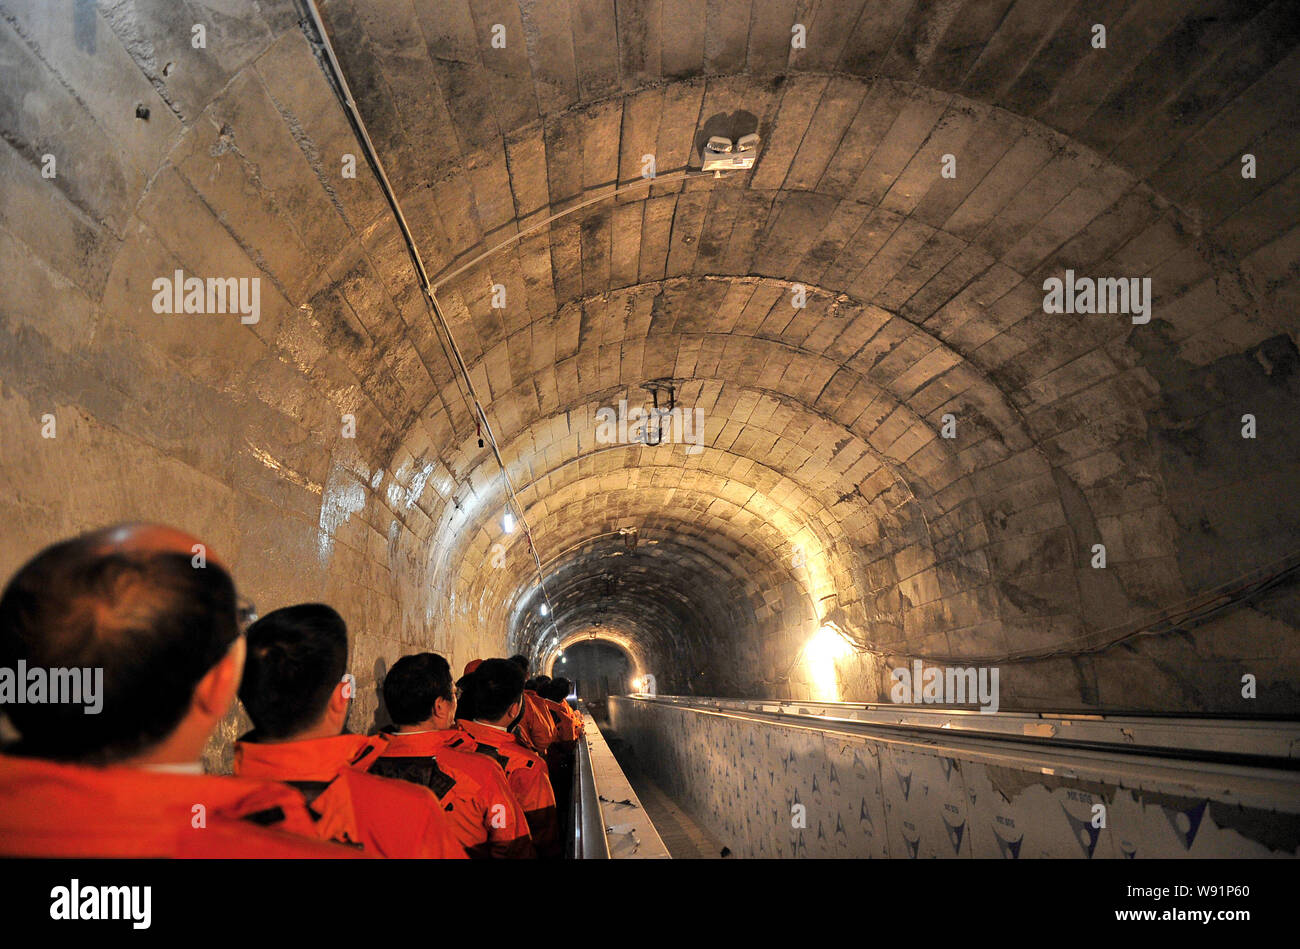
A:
521, 661
558, 690
538, 683
296, 656
465, 701
493, 687
153, 621
414, 684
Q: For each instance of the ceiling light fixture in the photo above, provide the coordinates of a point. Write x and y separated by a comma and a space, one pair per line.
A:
721, 154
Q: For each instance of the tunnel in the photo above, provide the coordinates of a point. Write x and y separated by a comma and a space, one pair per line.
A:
744, 359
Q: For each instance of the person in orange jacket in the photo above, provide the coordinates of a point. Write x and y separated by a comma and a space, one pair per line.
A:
553, 693
493, 694
297, 696
150, 618
535, 726
420, 698
560, 756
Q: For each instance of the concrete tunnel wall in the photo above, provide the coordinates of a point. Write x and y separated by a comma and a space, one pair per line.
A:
823, 488
775, 789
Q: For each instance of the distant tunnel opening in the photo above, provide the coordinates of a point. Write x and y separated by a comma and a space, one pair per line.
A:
597, 669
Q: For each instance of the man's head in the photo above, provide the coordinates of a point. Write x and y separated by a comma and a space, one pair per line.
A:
521, 662
418, 691
557, 690
157, 612
294, 683
495, 691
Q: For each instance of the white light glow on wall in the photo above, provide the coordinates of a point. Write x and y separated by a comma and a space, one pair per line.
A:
820, 654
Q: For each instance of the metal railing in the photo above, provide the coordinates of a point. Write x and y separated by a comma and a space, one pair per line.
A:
608, 819
588, 840
1271, 742
1253, 762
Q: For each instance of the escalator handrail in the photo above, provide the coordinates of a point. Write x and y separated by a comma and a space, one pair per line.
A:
589, 839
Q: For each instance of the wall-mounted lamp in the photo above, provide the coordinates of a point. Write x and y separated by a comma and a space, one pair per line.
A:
644, 685
656, 387
721, 154
630, 537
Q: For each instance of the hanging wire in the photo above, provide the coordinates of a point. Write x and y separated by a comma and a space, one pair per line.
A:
324, 51
334, 72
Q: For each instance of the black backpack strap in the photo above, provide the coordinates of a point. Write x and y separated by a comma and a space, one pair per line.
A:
421, 770
310, 790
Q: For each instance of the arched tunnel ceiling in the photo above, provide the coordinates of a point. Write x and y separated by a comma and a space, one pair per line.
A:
823, 481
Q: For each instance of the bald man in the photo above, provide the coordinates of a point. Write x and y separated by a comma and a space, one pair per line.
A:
144, 617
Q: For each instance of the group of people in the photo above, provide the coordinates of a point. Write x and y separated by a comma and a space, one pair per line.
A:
469, 767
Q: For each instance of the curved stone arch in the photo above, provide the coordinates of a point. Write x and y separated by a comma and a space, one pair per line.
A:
579, 118
950, 321
756, 584
830, 497
663, 616
850, 599
644, 513
481, 539
1008, 429
737, 570
799, 528
729, 560
630, 647
976, 409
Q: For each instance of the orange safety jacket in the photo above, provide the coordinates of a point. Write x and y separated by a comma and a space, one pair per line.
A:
566, 726
488, 819
527, 774
535, 726
384, 817
50, 809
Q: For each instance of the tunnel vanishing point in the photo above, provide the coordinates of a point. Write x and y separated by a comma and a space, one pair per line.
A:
807, 350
